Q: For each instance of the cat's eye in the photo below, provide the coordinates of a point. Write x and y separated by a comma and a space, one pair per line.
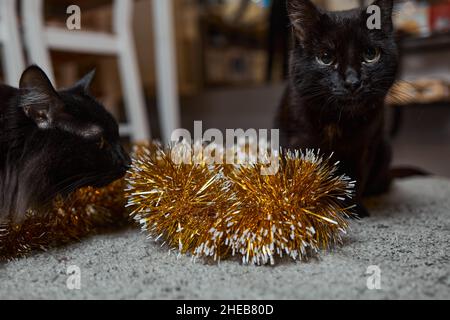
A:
102, 144
326, 58
371, 55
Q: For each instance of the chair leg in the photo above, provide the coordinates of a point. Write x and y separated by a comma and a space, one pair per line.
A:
35, 40
129, 71
13, 60
166, 73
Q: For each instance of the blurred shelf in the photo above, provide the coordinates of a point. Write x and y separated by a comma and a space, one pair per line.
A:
433, 104
214, 26
419, 44
55, 8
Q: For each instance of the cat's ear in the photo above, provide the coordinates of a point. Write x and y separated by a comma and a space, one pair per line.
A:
386, 10
34, 78
304, 16
39, 99
85, 83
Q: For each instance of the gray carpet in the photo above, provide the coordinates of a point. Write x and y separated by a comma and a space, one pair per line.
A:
407, 237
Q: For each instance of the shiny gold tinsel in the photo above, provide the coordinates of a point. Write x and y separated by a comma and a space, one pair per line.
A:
299, 210
208, 211
82, 213
178, 203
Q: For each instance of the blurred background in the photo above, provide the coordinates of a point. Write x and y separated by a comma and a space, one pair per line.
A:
162, 64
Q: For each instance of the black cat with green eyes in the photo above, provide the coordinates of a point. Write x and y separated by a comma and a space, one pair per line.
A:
340, 75
53, 142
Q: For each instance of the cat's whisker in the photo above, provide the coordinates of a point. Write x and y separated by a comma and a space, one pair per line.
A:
85, 180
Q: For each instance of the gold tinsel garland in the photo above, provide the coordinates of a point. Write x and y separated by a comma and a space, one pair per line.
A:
206, 210
222, 210
82, 213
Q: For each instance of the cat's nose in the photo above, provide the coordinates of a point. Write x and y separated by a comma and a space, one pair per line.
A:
352, 80
127, 162
124, 159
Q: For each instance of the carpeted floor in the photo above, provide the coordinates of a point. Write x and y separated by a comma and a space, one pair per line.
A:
407, 237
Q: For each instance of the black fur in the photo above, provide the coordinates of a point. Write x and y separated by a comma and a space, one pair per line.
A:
53, 142
340, 108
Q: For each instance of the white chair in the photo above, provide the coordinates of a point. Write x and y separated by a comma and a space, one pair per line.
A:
166, 67
39, 39
13, 60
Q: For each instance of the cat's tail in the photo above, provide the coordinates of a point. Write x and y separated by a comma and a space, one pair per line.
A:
407, 172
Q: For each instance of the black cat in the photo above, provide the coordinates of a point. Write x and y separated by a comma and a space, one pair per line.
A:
340, 75
53, 142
